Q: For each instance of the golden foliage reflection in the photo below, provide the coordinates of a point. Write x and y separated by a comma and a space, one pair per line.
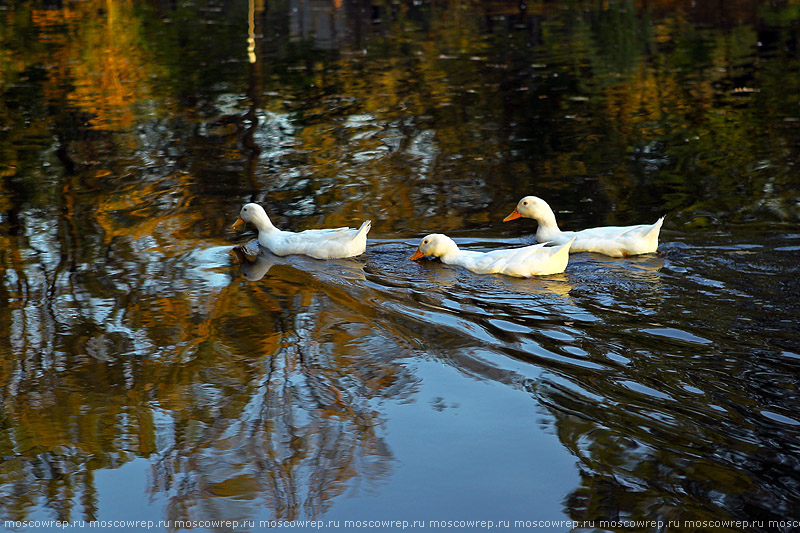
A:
130, 333
97, 46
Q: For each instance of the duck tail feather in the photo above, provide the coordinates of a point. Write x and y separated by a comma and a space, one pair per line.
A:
365, 227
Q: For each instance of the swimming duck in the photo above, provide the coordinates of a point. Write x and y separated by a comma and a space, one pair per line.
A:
616, 241
534, 260
333, 243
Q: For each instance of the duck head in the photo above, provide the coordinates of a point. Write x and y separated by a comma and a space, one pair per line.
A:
531, 207
253, 213
434, 245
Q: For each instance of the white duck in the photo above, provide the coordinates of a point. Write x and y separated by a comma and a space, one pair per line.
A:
616, 241
334, 243
535, 260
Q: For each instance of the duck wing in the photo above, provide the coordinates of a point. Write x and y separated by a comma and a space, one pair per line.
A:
502, 261
329, 243
614, 247
642, 231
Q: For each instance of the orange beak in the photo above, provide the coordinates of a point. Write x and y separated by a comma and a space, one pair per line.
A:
238, 224
417, 255
512, 216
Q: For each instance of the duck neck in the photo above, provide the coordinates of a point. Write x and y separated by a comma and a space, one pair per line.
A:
548, 227
263, 223
451, 255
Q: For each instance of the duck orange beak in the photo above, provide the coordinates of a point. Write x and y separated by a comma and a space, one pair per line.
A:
238, 224
417, 255
512, 216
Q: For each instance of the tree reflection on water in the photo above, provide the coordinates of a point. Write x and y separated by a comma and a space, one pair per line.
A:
130, 133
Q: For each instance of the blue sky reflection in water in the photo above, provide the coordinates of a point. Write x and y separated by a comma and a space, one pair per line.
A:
147, 373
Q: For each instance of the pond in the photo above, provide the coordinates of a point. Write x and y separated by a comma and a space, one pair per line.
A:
151, 372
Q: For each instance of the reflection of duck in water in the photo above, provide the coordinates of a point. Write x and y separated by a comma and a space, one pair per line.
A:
255, 263
616, 241
333, 243
556, 285
535, 260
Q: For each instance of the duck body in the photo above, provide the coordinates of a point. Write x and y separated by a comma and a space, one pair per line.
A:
333, 243
534, 260
614, 241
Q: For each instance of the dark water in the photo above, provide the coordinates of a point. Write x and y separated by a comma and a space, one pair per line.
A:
148, 374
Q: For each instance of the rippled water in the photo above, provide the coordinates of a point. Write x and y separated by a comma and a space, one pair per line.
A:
152, 371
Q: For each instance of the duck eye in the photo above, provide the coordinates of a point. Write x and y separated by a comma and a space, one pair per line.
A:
524, 203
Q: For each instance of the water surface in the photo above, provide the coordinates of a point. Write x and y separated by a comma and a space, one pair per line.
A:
149, 372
